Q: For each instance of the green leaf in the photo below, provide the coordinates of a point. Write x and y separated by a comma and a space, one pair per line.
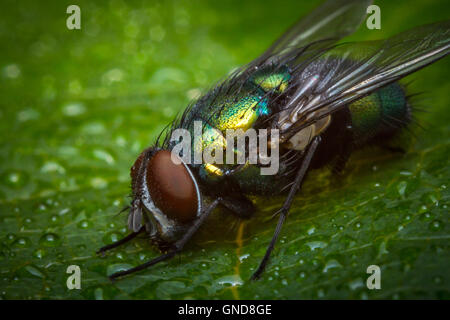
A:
78, 106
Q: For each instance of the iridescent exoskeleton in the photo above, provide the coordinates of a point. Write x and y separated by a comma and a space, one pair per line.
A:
324, 98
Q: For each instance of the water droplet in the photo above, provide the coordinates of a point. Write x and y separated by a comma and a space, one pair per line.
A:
39, 253
355, 284
112, 76
117, 268
49, 240
34, 271
22, 242
73, 109
437, 279
382, 249
358, 225
436, 225
423, 208
121, 141
98, 183
313, 245
111, 237
15, 179
311, 230
11, 237
83, 224
320, 293
243, 257
232, 280
401, 187
426, 216
11, 71
433, 199
52, 166
94, 128
63, 211
104, 155
98, 293
142, 256
119, 255
331, 264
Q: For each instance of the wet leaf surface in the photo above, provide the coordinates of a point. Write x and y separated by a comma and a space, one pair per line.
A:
77, 107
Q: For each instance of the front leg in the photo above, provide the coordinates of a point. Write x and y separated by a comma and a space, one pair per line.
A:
240, 206
177, 246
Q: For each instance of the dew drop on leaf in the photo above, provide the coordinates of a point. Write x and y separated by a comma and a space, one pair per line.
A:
50, 240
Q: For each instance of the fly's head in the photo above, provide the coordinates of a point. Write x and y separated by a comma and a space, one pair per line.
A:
166, 196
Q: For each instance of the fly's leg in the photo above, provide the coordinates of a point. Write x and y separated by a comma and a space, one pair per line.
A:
287, 204
177, 247
120, 242
339, 165
392, 149
240, 206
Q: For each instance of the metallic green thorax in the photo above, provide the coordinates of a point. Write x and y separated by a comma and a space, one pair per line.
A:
240, 111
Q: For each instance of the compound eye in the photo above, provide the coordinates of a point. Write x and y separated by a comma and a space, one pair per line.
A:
134, 172
171, 187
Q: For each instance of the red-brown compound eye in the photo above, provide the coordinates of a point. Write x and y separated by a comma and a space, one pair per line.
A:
171, 187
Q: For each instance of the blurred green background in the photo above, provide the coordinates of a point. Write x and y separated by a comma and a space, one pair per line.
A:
77, 107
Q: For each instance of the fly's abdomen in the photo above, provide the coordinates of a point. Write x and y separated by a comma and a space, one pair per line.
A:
380, 114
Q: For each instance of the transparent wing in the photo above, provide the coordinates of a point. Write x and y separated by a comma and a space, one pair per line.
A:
325, 80
328, 23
